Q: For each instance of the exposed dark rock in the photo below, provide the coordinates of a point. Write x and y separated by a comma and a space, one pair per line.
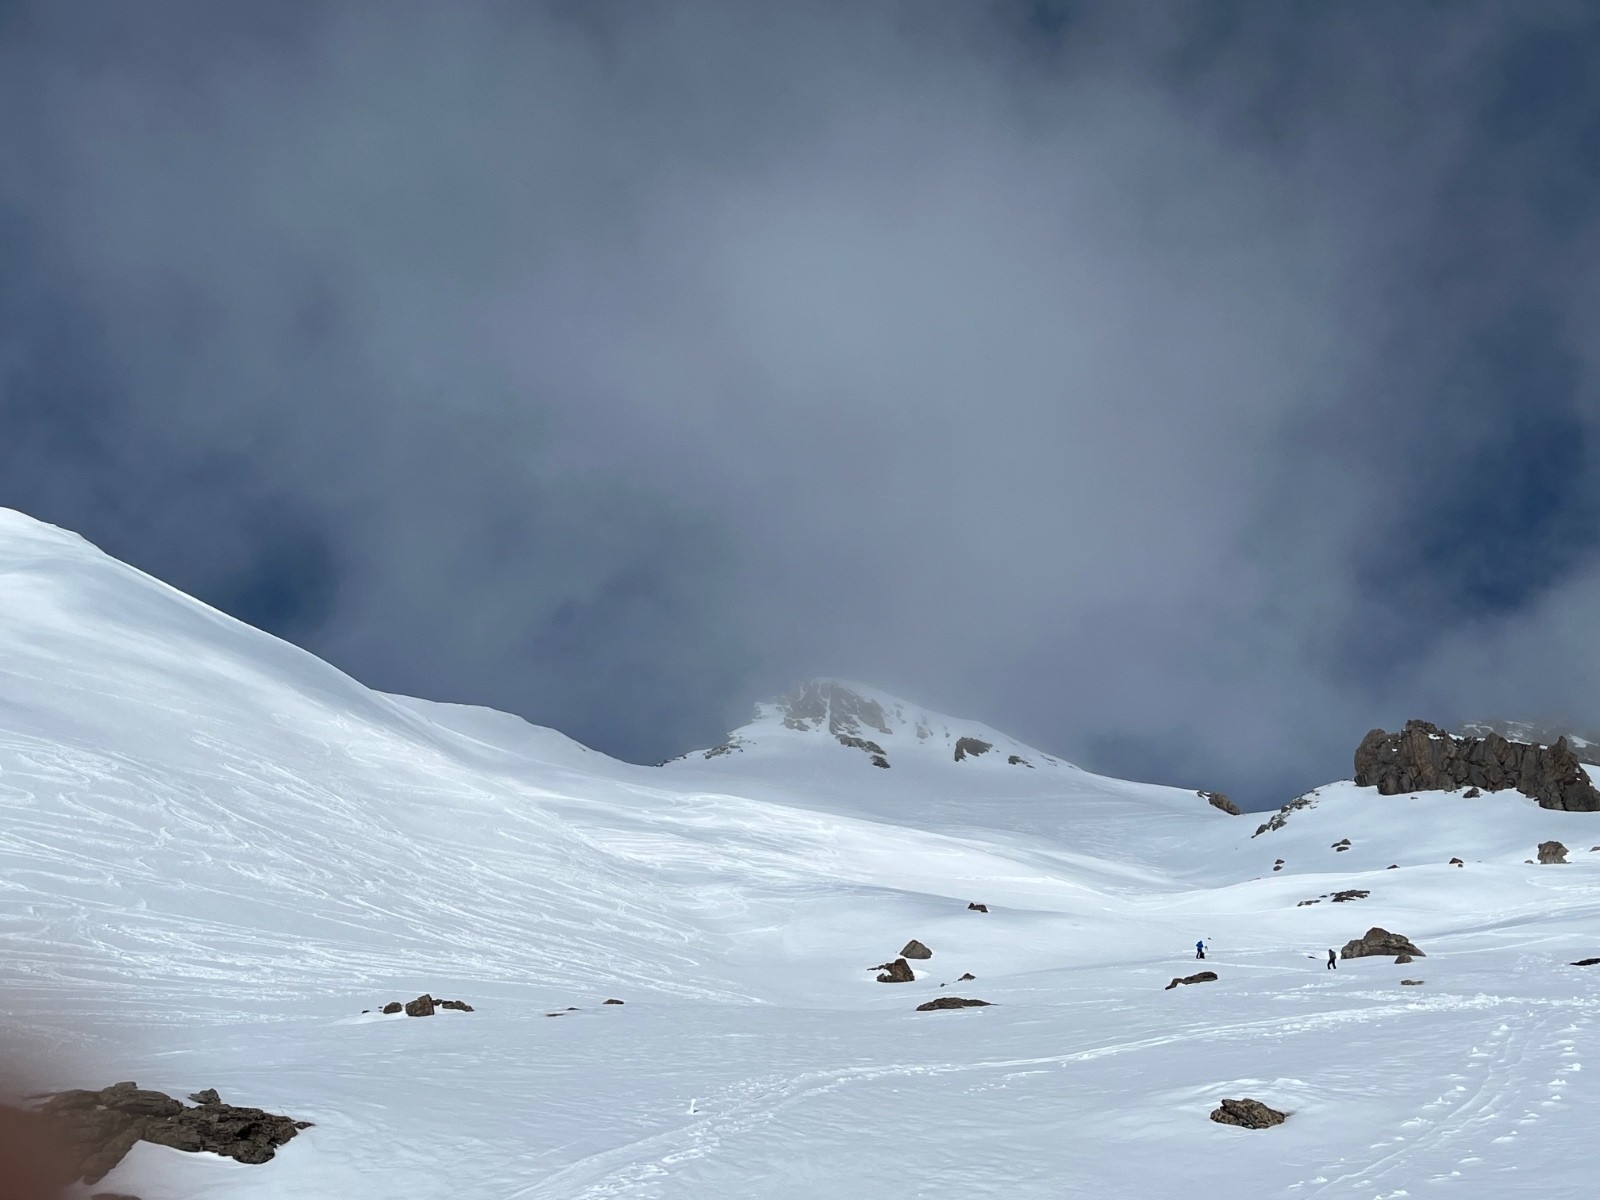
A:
112, 1196
1411, 983
1471, 793
879, 760
1456, 862
1016, 760
915, 949
822, 701
1379, 942
1423, 757
951, 1002
1218, 800
966, 977
972, 746
458, 1005
898, 971
1586, 962
977, 908
1248, 1114
611, 1002
99, 1128
422, 1006
1341, 845
1350, 894
1552, 852
1402, 959
1278, 866
1392, 867
1279, 818
1305, 903
393, 1006
1198, 977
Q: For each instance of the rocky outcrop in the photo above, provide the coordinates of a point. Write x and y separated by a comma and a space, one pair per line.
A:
1199, 977
1402, 959
976, 907
1411, 983
1376, 942
1279, 818
966, 977
972, 746
611, 1002
898, 971
1248, 1114
1218, 800
951, 1002
100, 1127
1350, 894
1552, 852
915, 949
1423, 757
1586, 962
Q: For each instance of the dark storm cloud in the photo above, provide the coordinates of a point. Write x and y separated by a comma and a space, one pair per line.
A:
1182, 390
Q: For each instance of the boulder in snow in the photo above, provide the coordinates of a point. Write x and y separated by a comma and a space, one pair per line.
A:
898, 971
1248, 1114
1378, 941
915, 949
1552, 852
951, 1002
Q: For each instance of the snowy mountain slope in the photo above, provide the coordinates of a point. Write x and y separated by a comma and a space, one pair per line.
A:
215, 851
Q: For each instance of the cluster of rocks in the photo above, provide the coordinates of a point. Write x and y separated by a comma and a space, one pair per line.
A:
1247, 1114
97, 1128
899, 970
1378, 942
423, 1006
1278, 819
1341, 845
1423, 757
1198, 977
1342, 897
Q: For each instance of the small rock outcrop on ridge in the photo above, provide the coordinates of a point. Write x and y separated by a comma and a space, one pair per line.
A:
1423, 757
1377, 942
1218, 800
100, 1127
1552, 852
951, 1002
1279, 818
1248, 1114
1198, 977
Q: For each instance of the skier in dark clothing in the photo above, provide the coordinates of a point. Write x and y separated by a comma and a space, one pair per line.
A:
1200, 949
1333, 961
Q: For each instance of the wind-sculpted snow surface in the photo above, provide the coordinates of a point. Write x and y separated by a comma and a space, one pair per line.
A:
215, 851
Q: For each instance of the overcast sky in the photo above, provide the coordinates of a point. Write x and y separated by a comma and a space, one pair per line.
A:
1184, 389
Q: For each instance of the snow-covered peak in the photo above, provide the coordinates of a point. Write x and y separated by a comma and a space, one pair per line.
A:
872, 728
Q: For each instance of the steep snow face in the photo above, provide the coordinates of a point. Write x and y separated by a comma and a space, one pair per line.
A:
879, 729
216, 851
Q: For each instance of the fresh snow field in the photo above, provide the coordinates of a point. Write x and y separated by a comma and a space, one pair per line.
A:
216, 851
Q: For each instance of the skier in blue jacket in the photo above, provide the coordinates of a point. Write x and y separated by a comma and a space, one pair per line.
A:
1200, 949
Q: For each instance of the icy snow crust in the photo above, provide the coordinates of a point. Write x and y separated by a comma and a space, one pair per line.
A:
215, 851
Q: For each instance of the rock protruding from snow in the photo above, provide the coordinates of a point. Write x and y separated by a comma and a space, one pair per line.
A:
100, 1127
1198, 977
1552, 852
951, 1002
1423, 757
898, 971
1219, 801
973, 746
1248, 1114
915, 949
1278, 819
1376, 942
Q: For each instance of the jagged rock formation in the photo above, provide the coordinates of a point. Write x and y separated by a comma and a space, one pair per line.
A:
1552, 852
1423, 757
1248, 1114
898, 971
1379, 942
1218, 800
951, 1002
99, 1128
1585, 743
1199, 977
